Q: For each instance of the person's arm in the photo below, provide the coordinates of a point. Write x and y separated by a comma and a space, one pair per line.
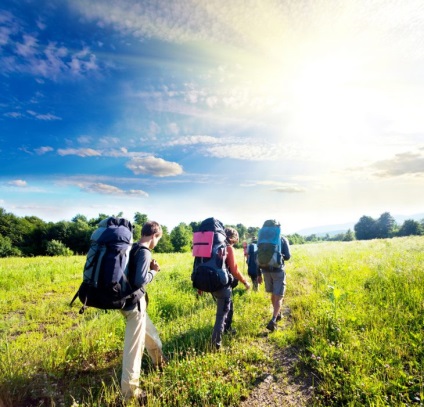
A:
232, 266
285, 248
143, 272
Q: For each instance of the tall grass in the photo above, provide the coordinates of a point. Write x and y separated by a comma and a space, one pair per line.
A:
357, 321
359, 316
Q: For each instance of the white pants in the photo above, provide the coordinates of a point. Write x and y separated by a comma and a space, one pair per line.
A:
139, 333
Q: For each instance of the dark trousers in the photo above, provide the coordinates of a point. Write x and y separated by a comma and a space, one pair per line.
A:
224, 314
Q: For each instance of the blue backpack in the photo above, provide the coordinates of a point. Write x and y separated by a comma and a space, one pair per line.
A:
210, 252
105, 282
269, 245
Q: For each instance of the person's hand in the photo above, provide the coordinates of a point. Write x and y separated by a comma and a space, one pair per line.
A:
154, 265
260, 279
247, 285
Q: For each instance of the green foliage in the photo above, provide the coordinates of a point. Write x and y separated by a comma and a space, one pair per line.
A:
356, 320
359, 315
411, 227
57, 248
181, 238
51, 354
164, 245
6, 248
140, 218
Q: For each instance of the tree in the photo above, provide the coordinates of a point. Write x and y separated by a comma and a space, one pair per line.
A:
296, 239
385, 226
164, 245
252, 232
242, 231
181, 238
6, 248
80, 217
140, 218
410, 227
349, 236
194, 226
365, 228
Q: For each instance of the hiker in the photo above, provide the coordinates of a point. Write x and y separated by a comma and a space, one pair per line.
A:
252, 265
223, 297
273, 251
140, 331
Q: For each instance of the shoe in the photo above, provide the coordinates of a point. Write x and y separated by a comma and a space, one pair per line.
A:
137, 394
230, 331
271, 325
278, 317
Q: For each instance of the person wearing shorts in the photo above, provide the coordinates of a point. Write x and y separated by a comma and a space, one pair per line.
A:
275, 284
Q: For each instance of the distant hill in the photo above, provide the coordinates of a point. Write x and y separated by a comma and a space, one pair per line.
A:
332, 230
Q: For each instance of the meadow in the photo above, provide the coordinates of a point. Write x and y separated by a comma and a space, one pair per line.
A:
356, 321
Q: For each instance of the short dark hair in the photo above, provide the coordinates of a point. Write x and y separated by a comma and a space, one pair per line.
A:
151, 228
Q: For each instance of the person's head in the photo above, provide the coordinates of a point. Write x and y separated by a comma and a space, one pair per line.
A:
153, 230
254, 240
232, 235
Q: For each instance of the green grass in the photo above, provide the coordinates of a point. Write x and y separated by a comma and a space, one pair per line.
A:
357, 320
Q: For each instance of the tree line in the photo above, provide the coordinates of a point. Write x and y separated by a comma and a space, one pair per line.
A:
31, 236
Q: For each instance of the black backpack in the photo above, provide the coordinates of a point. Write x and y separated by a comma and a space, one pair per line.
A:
210, 252
105, 282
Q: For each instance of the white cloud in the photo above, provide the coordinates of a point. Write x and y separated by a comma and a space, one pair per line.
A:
43, 150
403, 164
18, 183
106, 189
254, 152
192, 140
27, 54
276, 186
14, 115
157, 167
84, 139
47, 116
81, 152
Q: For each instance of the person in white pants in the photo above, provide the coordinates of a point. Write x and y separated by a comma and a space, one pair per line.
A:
140, 331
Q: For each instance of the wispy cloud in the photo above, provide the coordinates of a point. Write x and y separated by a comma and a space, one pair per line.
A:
43, 150
47, 116
81, 152
403, 164
276, 186
241, 151
18, 183
25, 53
157, 167
193, 140
106, 189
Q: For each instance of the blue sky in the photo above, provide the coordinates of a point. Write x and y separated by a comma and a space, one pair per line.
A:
308, 112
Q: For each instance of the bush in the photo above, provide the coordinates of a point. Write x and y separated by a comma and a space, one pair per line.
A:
6, 248
57, 248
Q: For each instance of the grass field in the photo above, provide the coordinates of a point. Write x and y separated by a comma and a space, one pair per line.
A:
357, 320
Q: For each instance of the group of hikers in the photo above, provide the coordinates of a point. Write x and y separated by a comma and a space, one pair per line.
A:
140, 332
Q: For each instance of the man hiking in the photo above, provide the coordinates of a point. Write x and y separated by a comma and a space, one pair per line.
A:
136, 336
273, 251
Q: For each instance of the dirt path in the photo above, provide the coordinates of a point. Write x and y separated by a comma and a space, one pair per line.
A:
280, 386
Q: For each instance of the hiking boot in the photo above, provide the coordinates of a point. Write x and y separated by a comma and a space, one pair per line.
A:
278, 317
271, 326
137, 394
230, 331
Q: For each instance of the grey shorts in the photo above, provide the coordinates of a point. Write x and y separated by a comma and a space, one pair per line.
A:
275, 282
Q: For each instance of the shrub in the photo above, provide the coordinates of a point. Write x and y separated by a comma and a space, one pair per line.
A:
57, 248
